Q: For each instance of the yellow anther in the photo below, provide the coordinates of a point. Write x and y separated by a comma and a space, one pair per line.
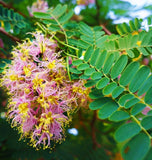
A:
27, 90
27, 70
51, 65
13, 77
37, 82
23, 108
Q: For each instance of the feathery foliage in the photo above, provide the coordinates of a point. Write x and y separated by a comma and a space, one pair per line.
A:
109, 63
121, 86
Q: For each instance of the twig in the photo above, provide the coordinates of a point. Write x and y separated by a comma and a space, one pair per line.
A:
10, 6
4, 4
98, 18
93, 133
105, 29
9, 35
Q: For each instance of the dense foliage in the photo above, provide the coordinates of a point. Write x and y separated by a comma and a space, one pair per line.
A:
76, 67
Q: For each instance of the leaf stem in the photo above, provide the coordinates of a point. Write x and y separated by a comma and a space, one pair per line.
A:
67, 64
138, 122
65, 43
42, 27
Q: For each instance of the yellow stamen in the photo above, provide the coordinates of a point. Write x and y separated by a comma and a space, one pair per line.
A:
13, 77
23, 108
37, 82
27, 90
53, 99
27, 70
51, 65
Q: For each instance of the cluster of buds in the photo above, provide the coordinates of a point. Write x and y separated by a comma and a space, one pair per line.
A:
41, 96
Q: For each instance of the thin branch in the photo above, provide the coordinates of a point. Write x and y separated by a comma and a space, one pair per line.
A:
105, 29
98, 18
4, 4
9, 35
93, 133
10, 7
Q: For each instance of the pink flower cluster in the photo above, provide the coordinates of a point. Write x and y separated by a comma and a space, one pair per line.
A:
41, 96
38, 6
85, 2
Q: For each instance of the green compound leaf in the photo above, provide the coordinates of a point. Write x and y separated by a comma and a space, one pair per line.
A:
109, 88
98, 103
94, 57
137, 23
96, 75
132, 26
42, 15
89, 71
145, 86
84, 77
147, 122
143, 51
139, 78
58, 11
130, 53
136, 148
63, 19
119, 116
125, 98
100, 60
85, 29
148, 98
108, 63
11, 20
54, 28
102, 83
88, 53
7, 26
74, 70
126, 131
77, 62
128, 73
131, 102
119, 66
107, 110
90, 83
117, 91
95, 93
137, 108
82, 66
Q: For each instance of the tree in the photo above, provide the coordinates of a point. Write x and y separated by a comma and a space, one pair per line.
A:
79, 68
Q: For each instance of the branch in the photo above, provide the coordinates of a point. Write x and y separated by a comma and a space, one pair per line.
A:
98, 18
9, 35
10, 7
95, 143
82, 124
105, 29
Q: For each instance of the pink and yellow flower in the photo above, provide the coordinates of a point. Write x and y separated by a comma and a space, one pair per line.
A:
41, 96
